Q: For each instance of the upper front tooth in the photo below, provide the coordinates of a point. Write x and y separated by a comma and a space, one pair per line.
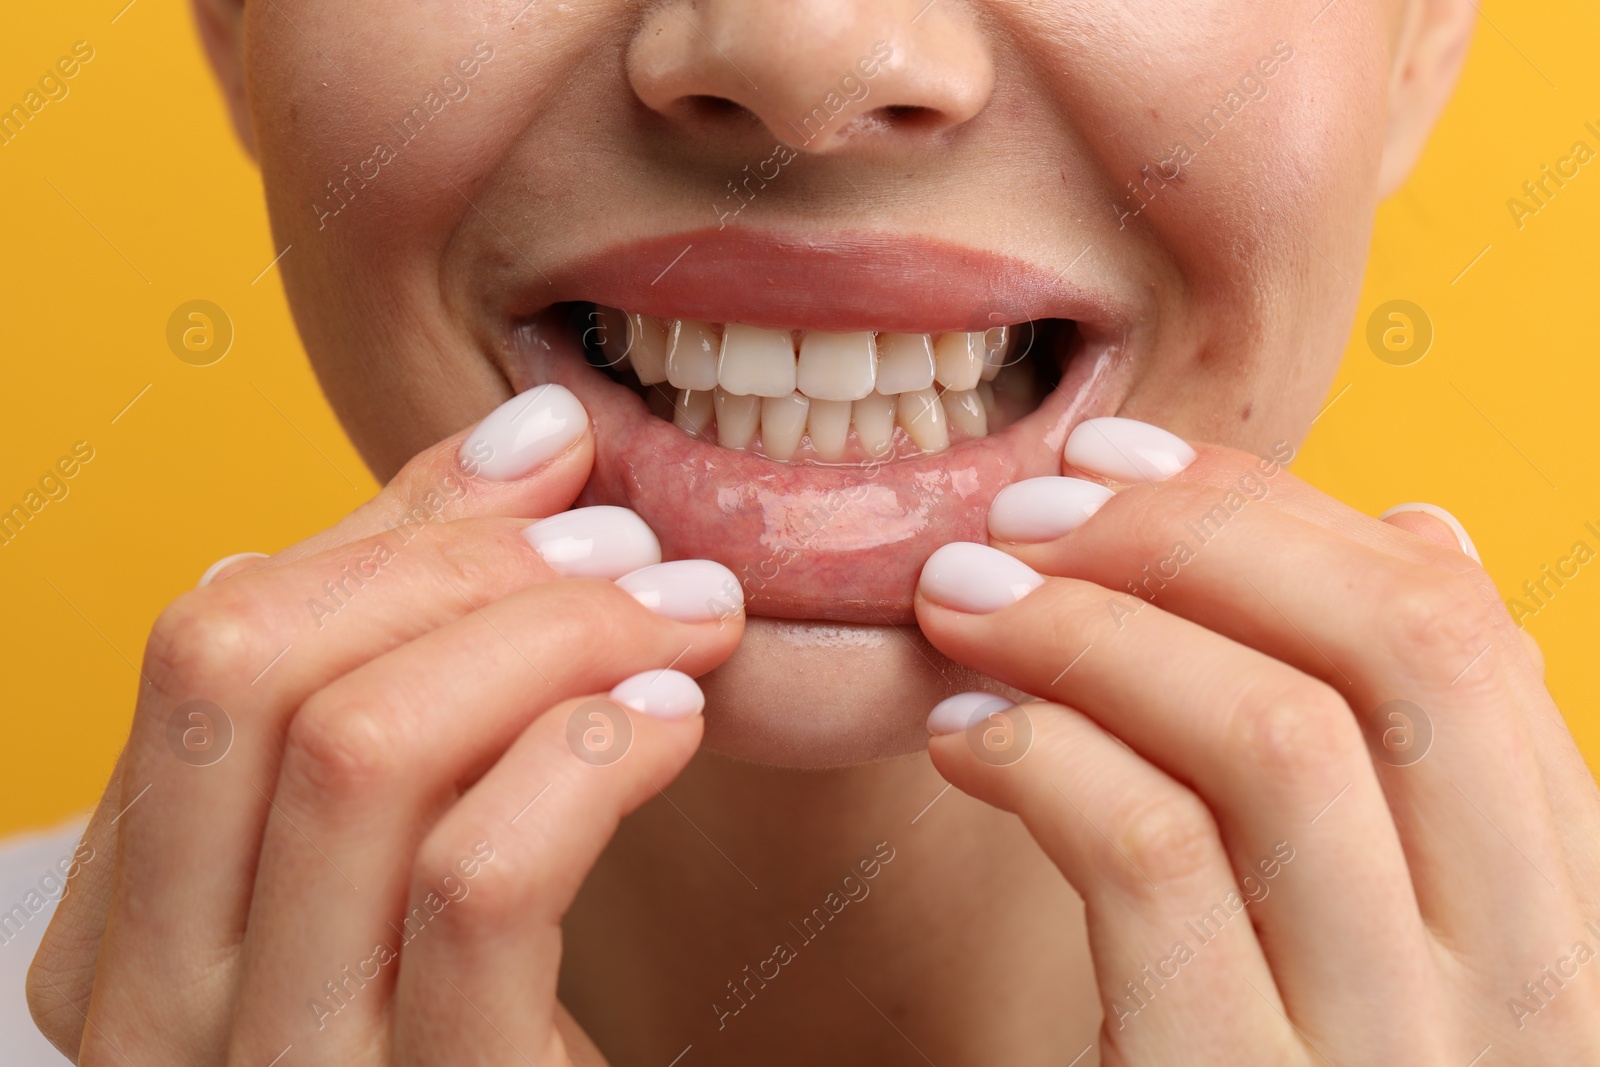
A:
923, 418
958, 360
828, 424
837, 366
692, 356
647, 348
756, 361
783, 423
905, 362
994, 350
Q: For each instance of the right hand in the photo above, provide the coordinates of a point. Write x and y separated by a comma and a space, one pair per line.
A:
370, 841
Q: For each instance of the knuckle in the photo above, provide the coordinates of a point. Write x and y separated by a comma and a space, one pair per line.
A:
205, 637
1437, 617
1169, 839
1297, 736
463, 563
341, 747
468, 886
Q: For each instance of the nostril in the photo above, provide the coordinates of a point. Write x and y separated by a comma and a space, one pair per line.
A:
712, 108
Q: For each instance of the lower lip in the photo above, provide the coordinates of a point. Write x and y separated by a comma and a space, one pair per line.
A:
837, 543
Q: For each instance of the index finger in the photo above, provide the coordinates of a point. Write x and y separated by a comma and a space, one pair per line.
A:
528, 458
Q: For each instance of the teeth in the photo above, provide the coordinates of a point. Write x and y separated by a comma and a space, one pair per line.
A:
647, 349
738, 383
964, 411
873, 418
783, 422
994, 351
692, 356
738, 418
756, 362
958, 360
923, 418
905, 362
828, 424
837, 366
692, 411
985, 393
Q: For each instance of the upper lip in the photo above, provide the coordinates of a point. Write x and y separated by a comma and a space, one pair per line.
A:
859, 561
838, 283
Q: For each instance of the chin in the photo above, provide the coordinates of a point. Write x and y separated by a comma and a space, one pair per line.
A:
817, 695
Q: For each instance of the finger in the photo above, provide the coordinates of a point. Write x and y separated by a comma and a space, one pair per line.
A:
529, 458
246, 653
62, 972
1175, 956
1125, 452
1274, 753
1413, 650
481, 953
372, 760
1432, 523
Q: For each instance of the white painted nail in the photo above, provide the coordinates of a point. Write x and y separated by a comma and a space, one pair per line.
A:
975, 578
596, 542
1127, 450
664, 694
225, 562
954, 714
689, 590
1043, 509
1443, 516
523, 434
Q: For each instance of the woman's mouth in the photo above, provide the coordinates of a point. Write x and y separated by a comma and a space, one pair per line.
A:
764, 411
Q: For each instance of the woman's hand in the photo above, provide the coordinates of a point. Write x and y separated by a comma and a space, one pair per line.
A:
360, 845
1298, 762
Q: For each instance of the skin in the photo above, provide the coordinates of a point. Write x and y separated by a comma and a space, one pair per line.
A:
1237, 697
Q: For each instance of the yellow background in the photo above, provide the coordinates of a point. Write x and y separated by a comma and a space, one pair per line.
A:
129, 197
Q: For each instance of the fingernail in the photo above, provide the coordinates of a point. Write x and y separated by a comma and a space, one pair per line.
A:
1443, 516
689, 590
1127, 450
1043, 509
976, 578
664, 694
525, 432
954, 714
223, 564
596, 542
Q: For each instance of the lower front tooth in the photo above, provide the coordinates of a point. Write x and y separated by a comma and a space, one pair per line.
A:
783, 423
923, 418
692, 356
958, 360
828, 423
985, 393
965, 413
873, 418
738, 418
692, 411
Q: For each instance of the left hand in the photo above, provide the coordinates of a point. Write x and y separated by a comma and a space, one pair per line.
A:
1281, 864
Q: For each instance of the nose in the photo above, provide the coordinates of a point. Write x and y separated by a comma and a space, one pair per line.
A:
818, 74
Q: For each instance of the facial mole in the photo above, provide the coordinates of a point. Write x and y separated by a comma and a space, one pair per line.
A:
1244, 416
